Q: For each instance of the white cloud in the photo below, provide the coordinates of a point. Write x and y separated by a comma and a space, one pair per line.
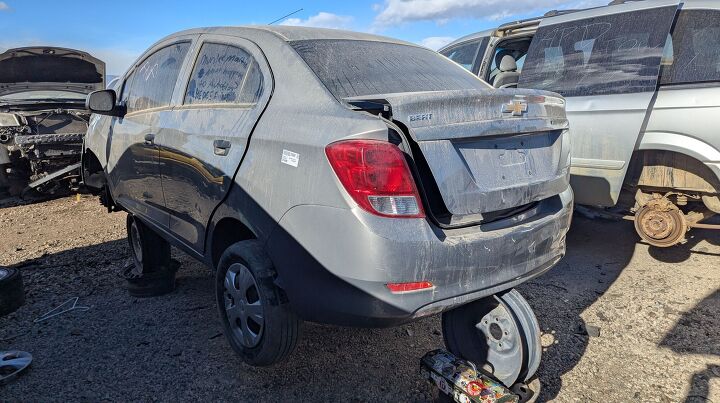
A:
393, 12
436, 42
321, 20
4, 6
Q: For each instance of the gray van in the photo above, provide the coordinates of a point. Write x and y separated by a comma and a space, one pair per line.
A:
642, 85
320, 189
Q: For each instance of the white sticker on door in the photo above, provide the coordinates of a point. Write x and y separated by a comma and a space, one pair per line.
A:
290, 158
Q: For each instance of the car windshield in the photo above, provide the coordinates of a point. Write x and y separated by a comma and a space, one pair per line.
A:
350, 68
35, 96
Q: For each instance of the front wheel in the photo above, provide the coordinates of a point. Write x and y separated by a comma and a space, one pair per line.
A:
257, 321
500, 334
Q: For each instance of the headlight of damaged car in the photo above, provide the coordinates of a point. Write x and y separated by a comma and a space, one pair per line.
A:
9, 120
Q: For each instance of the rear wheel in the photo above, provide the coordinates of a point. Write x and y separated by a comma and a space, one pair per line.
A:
150, 252
152, 272
257, 321
500, 334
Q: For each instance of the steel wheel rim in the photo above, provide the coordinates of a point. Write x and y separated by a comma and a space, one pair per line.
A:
505, 344
243, 307
136, 241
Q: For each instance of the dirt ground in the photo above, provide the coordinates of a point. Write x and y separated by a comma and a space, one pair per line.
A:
656, 310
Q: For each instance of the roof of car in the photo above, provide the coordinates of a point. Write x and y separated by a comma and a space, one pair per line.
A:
558, 16
293, 33
468, 38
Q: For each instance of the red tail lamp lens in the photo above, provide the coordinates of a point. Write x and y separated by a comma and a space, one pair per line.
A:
376, 176
399, 288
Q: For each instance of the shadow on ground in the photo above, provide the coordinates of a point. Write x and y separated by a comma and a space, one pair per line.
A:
170, 347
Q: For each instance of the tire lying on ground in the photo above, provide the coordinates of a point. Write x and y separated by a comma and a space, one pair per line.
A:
12, 293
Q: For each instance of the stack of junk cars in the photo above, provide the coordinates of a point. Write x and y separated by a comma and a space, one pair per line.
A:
43, 118
357, 180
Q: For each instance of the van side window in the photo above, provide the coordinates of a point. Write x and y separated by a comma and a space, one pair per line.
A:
224, 74
610, 54
695, 49
153, 81
465, 54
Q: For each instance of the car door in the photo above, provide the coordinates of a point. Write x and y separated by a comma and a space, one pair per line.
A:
606, 63
468, 53
202, 146
133, 160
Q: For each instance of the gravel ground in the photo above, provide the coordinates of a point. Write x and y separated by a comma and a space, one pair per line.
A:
656, 311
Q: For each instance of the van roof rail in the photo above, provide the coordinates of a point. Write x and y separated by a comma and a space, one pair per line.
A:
616, 2
553, 13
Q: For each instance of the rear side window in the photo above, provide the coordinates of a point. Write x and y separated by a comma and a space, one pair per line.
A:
465, 54
351, 68
153, 81
224, 74
611, 54
694, 55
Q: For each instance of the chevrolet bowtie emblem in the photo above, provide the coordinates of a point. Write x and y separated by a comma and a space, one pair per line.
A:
515, 108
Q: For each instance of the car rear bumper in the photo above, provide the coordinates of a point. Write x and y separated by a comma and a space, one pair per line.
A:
334, 263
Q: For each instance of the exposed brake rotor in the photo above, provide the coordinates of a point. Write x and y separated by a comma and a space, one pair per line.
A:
661, 223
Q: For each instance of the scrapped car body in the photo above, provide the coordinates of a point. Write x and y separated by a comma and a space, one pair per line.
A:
643, 102
43, 118
312, 166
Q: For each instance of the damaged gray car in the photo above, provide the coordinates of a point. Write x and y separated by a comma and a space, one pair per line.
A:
43, 118
340, 178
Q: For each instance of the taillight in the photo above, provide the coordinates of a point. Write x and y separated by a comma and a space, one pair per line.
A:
376, 176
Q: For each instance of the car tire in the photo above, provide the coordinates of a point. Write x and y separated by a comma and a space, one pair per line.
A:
149, 251
256, 317
12, 292
499, 334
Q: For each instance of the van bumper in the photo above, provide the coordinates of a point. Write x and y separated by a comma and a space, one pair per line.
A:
334, 264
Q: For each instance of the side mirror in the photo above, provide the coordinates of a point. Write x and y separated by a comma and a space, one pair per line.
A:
103, 102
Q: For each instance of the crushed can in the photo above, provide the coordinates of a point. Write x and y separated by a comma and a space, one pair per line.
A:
460, 380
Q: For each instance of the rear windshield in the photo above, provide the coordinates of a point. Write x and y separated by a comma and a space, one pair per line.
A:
351, 68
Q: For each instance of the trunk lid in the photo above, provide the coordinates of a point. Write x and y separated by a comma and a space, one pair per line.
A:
487, 150
50, 68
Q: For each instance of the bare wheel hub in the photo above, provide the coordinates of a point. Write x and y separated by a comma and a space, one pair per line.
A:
661, 223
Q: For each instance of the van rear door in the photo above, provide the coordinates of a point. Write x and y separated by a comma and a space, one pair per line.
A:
606, 63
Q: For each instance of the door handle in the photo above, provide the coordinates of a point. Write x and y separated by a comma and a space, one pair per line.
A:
149, 139
221, 147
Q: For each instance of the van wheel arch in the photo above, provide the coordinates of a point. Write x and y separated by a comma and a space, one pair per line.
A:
663, 169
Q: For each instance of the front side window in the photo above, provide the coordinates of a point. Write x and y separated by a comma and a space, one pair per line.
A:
465, 54
224, 74
693, 55
153, 81
611, 54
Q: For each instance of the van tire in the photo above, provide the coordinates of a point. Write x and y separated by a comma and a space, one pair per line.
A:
12, 292
250, 275
149, 251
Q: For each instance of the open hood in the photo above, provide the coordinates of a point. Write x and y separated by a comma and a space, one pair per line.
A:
50, 69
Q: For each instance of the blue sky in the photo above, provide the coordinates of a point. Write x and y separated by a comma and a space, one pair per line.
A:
118, 31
